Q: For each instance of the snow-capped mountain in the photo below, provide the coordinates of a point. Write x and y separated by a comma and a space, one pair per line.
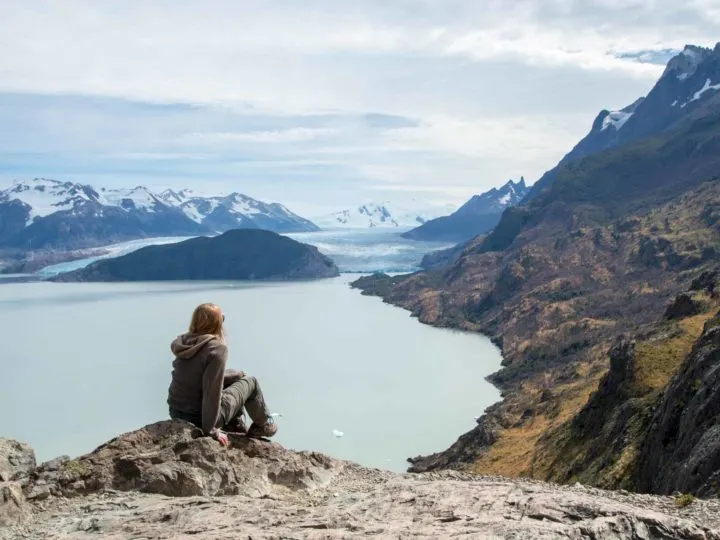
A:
383, 215
495, 200
237, 211
690, 82
174, 198
48, 214
44, 197
477, 216
137, 198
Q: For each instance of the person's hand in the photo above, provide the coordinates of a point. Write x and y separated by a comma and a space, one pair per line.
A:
222, 438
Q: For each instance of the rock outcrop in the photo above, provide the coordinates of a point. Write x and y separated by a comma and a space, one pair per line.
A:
167, 481
613, 389
683, 306
682, 449
173, 458
17, 462
14, 508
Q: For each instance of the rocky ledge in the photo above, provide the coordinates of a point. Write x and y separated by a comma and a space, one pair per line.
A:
167, 481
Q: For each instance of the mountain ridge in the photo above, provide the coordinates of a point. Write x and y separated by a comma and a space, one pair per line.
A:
384, 214
477, 216
49, 214
690, 78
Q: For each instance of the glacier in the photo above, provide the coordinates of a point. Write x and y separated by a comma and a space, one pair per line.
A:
353, 250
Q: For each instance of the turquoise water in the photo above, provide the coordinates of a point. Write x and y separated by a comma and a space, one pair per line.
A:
84, 362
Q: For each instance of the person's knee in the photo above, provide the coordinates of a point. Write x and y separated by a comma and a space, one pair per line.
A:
252, 383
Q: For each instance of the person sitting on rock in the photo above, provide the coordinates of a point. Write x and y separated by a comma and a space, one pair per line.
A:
203, 392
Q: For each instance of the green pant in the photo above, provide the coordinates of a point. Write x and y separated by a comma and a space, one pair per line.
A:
244, 393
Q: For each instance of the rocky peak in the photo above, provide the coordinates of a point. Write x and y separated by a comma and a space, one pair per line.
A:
512, 187
510, 194
684, 64
175, 197
477, 216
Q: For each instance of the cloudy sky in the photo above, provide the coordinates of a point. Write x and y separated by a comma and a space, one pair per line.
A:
327, 103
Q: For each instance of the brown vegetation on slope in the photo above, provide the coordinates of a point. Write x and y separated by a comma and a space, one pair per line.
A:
555, 301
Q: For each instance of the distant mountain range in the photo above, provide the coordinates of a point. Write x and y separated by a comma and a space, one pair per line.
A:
383, 215
46, 214
477, 216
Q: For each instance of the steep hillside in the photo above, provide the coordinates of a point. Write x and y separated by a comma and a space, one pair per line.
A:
690, 79
628, 434
238, 254
681, 450
600, 252
477, 216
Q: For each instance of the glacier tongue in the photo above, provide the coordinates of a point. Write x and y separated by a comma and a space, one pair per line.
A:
384, 215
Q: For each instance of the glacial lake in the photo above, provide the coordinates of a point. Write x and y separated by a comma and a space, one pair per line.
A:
83, 363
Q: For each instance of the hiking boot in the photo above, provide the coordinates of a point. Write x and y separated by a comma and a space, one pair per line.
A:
236, 425
268, 429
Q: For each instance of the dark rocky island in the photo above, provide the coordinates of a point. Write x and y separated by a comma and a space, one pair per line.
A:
237, 254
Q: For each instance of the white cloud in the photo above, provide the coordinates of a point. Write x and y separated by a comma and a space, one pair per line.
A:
299, 134
278, 56
276, 94
483, 138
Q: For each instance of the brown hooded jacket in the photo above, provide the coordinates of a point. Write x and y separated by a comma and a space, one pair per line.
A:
197, 378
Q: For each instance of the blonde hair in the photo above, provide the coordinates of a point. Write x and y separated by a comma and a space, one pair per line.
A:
208, 319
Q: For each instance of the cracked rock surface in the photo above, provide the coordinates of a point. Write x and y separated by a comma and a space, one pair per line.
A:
163, 481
